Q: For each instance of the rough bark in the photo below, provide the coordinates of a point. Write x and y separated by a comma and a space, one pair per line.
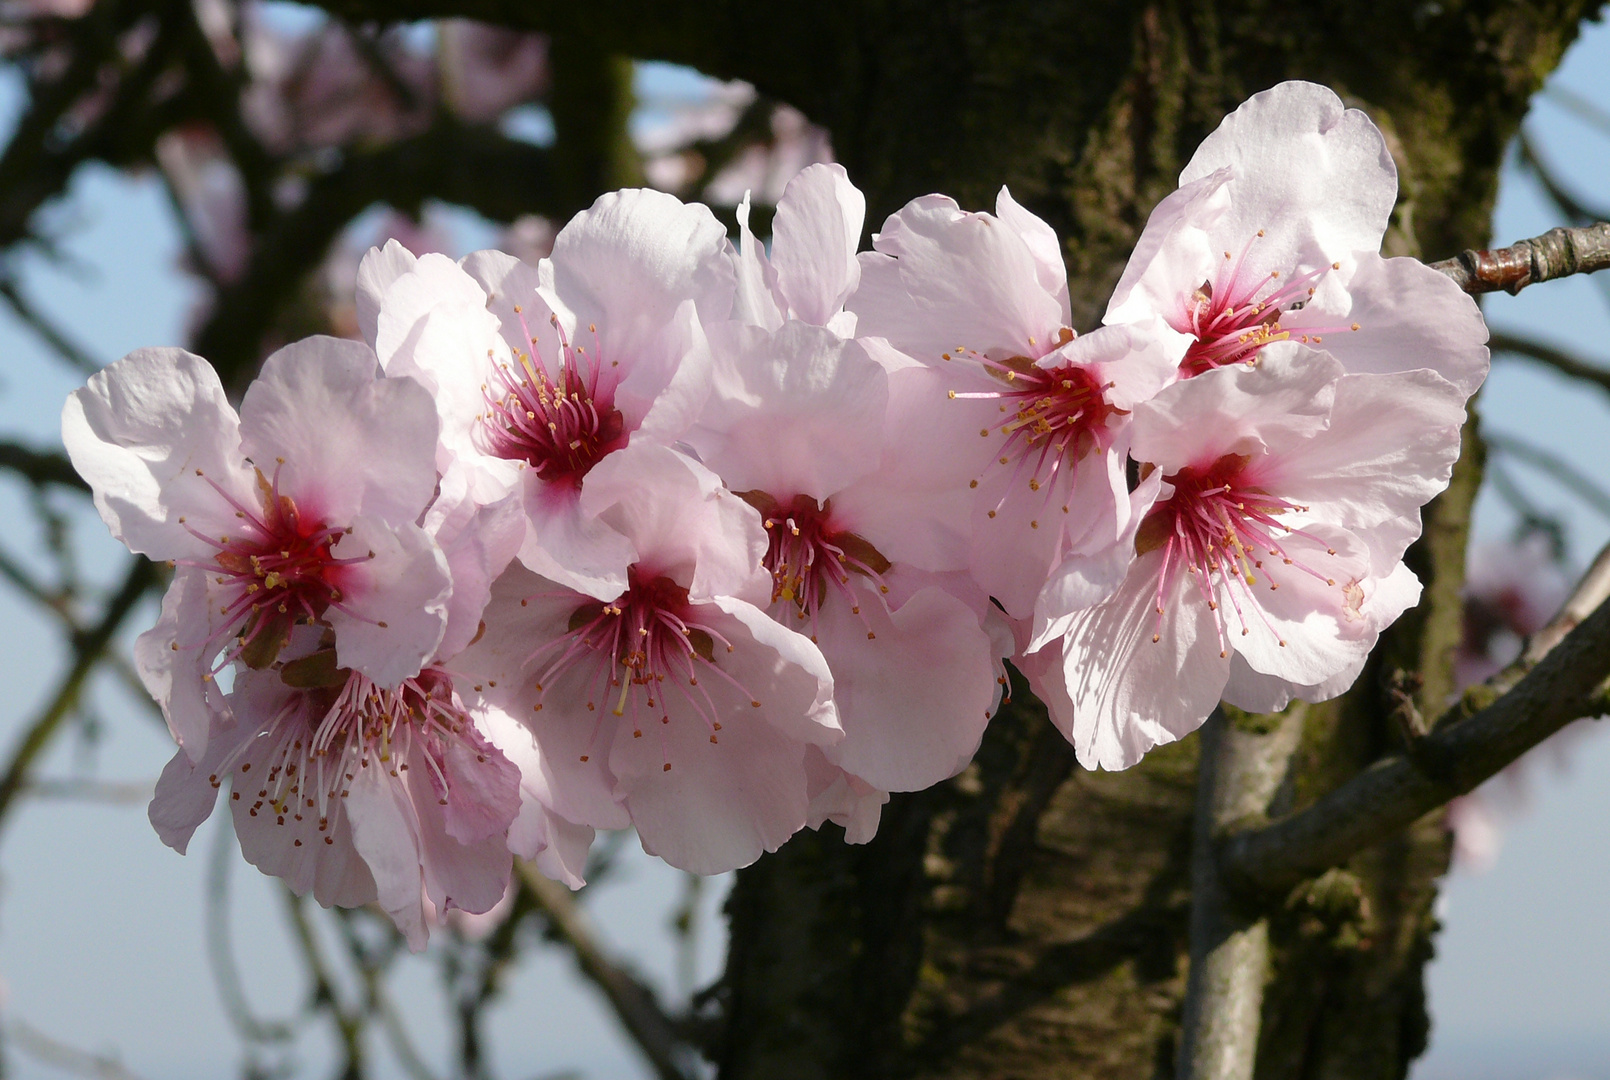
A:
1028, 919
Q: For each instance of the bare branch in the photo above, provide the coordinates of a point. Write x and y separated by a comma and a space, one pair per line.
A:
87, 648
1556, 358
1557, 253
40, 467
67, 1058
48, 332
1560, 678
633, 1002
117, 793
1577, 482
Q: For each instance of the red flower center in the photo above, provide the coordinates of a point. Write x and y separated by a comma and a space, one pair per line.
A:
646, 646
560, 425
810, 558
277, 572
1236, 314
1220, 526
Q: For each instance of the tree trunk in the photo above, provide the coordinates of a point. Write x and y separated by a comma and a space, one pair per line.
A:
1029, 919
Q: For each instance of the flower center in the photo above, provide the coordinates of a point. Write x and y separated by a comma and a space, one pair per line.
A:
1219, 525
1055, 416
1237, 313
560, 425
630, 650
339, 722
810, 559
278, 572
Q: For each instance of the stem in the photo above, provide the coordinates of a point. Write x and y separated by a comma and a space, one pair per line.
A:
1239, 775
1557, 253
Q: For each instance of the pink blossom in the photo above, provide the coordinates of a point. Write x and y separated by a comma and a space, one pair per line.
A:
1286, 493
982, 302
300, 509
812, 269
361, 794
1275, 234
797, 424
542, 373
676, 705
1511, 590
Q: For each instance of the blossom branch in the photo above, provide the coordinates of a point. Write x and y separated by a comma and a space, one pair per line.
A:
1557, 253
634, 1003
1558, 359
1560, 678
1239, 774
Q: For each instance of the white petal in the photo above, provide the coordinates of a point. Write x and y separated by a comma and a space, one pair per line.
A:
148, 433
798, 412
352, 441
395, 601
814, 237
379, 268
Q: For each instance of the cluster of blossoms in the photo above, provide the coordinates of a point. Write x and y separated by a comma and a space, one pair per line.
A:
719, 540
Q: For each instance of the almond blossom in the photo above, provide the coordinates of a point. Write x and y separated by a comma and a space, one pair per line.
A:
797, 425
1285, 495
362, 793
982, 301
677, 705
541, 373
300, 509
1275, 234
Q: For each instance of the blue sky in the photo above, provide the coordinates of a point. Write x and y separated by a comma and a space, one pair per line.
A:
101, 927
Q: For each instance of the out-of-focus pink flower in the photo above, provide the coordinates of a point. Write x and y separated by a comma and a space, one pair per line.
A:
1275, 235
540, 373
1286, 493
213, 198
677, 705
1511, 590
319, 89
488, 70
301, 508
765, 169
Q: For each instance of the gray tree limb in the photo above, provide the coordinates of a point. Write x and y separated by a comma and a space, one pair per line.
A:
1239, 774
1560, 678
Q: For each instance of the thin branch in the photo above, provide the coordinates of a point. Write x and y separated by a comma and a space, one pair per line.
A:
221, 951
114, 792
43, 1048
40, 467
1573, 102
1561, 677
1575, 210
634, 1003
1563, 472
1556, 358
48, 332
87, 648
325, 993
1557, 253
